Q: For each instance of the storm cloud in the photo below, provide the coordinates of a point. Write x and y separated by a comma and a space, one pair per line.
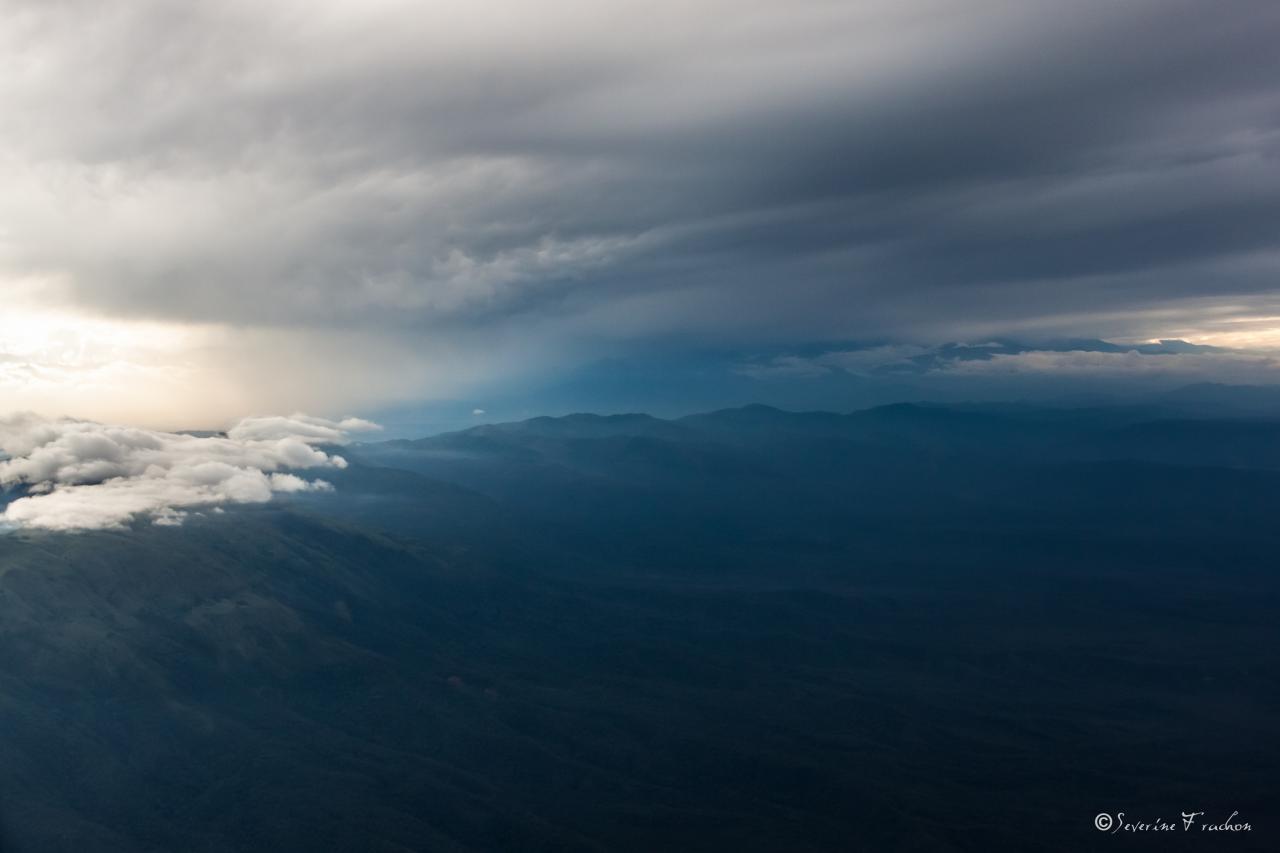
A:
453, 191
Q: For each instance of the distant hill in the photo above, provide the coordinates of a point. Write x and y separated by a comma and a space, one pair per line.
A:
1210, 399
1025, 432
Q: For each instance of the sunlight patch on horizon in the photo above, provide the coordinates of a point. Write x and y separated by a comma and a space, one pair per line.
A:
1243, 332
58, 362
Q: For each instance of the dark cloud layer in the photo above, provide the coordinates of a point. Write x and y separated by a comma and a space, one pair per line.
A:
547, 176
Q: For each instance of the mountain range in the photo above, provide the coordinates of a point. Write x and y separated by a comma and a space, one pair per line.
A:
914, 627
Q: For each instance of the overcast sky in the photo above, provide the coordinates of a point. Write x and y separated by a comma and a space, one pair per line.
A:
217, 209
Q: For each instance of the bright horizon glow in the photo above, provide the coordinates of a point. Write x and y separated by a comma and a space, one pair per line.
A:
1251, 333
58, 362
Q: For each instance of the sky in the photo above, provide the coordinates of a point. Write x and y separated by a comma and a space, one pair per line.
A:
213, 211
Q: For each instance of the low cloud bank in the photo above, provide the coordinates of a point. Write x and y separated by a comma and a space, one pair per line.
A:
1177, 360
81, 475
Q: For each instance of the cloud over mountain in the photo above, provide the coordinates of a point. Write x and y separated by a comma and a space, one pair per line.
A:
78, 475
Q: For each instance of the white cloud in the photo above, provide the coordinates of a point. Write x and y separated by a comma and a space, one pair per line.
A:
299, 426
1240, 367
81, 475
